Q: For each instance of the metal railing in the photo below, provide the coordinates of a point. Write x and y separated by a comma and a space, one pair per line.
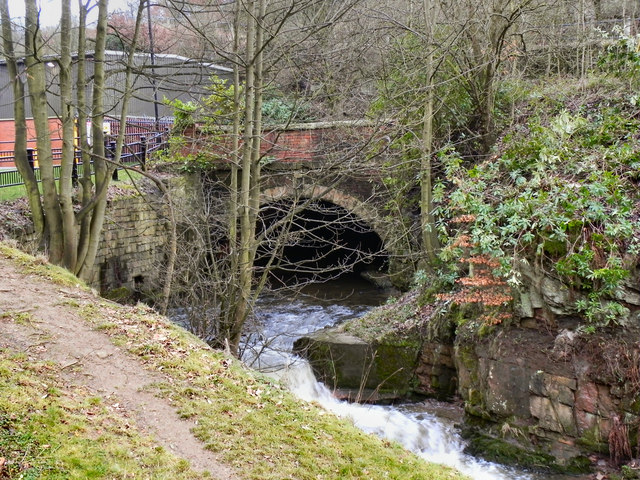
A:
134, 152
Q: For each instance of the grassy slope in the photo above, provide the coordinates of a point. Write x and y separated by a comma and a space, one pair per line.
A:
50, 431
18, 191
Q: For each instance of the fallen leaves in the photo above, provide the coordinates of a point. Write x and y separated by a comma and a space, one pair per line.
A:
254, 393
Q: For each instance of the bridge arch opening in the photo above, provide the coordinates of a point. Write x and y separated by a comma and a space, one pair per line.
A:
317, 239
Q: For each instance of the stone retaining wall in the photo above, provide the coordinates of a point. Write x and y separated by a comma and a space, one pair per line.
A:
132, 249
436, 374
563, 402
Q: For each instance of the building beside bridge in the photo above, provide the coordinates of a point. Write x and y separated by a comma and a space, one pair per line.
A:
165, 77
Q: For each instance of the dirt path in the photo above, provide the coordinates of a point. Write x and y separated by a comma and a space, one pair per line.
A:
88, 358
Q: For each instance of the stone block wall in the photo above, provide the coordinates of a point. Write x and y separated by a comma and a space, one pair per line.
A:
132, 250
436, 374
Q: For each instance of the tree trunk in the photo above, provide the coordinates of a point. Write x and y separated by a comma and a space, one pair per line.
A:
230, 299
247, 229
428, 228
85, 149
102, 173
19, 115
36, 79
67, 116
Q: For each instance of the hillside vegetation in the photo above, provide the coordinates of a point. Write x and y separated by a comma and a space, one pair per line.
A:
560, 194
538, 275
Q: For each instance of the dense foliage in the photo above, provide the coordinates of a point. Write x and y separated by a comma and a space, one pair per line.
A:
562, 192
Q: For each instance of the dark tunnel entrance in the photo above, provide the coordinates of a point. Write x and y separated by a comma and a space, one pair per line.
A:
319, 241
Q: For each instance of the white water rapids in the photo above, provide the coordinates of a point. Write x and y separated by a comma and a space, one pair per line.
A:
431, 437
281, 321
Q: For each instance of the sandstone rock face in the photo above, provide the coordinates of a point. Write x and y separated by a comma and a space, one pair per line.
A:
565, 404
436, 371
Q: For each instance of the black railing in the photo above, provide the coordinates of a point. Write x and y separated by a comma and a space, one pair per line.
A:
133, 153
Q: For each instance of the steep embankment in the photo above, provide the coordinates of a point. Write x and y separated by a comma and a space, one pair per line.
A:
92, 389
532, 315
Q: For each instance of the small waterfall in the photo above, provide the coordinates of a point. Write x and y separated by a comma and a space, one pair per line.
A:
432, 438
281, 321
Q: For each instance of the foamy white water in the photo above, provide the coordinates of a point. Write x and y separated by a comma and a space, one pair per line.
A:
432, 438
421, 432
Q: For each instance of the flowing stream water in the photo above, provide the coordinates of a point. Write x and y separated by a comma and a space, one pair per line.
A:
427, 429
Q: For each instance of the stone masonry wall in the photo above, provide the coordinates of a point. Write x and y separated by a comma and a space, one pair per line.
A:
132, 249
567, 403
436, 374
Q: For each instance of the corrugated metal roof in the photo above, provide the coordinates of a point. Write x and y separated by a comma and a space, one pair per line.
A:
173, 76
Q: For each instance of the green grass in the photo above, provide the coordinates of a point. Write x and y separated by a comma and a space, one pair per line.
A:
40, 266
11, 193
20, 317
254, 424
18, 191
49, 430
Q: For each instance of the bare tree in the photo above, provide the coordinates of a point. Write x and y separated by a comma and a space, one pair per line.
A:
70, 232
256, 49
17, 73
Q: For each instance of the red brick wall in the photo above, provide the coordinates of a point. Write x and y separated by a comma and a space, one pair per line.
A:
7, 137
296, 145
7, 134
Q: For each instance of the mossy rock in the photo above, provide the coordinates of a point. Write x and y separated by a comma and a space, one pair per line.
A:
577, 465
508, 452
593, 441
122, 295
477, 410
347, 362
627, 473
502, 451
633, 405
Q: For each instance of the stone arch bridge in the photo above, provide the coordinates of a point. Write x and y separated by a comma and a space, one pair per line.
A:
334, 171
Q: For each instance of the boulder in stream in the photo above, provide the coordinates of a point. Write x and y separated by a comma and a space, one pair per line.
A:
358, 370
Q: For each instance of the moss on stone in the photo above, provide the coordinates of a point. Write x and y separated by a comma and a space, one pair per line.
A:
477, 411
121, 295
576, 465
502, 451
592, 439
634, 406
466, 355
627, 473
395, 366
485, 330
475, 397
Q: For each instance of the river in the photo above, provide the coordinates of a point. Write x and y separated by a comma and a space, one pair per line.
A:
426, 428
